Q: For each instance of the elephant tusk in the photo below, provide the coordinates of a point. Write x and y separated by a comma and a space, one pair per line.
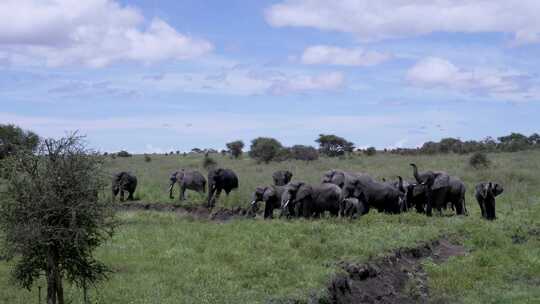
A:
253, 203
286, 204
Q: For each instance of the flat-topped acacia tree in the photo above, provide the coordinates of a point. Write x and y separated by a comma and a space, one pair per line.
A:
51, 219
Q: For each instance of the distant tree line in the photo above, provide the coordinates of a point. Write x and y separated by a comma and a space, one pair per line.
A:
509, 143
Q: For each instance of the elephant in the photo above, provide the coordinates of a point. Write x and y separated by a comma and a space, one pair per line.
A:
380, 195
439, 188
352, 207
282, 177
187, 179
301, 199
124, 181
220, 179
271, 196
485, 195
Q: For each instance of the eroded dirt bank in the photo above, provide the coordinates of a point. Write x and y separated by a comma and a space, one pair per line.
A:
197, 212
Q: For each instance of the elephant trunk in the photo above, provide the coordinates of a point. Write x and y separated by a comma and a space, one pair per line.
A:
415, 173
171, 190
400, 184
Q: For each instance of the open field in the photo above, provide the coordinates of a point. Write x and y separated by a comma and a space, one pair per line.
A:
168, 258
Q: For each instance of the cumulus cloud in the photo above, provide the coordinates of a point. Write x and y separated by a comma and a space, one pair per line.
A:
433, 72
324, 54
376, 20
92, 33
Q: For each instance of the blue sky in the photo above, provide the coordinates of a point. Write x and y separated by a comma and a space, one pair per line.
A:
155, 76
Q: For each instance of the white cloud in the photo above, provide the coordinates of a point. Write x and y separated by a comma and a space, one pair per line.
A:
92, 33
435, 72
245, 80
376, 20
324, 54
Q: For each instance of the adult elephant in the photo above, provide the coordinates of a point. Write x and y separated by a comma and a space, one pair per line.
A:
301, 199
271, 196
485, 195
187, 179
440, 189
380, 195
124, 182
282, 177
220, 179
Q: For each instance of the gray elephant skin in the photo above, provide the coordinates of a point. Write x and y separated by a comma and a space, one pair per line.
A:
187, 179
282, 177
219, 180
379, 195
352, 207
440, 189
271, 196
302, 199
485, 194
124, 182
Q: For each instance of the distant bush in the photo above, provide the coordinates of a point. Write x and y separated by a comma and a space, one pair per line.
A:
208, 162
123, 154
479, 160
332, 145
265, 149
13, 139
302, 152
147, 158
370, 151
235, 148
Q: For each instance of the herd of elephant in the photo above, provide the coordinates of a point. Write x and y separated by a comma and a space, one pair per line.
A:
340, 193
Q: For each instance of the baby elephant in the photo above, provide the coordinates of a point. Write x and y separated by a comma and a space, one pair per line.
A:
352, 207
271, 196
124, 181
485, 195
187, 179
282, 177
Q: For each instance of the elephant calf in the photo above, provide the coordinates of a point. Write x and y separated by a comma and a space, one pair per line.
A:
124, 181
352, 207
218, 180
485, 195
271, 196
282, 177
187, 179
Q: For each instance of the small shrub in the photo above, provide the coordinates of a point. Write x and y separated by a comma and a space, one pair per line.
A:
123, 153
147, 158
479, 160
208, 162
370, 151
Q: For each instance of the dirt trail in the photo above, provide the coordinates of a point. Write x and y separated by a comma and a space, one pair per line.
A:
396, 278
196, 212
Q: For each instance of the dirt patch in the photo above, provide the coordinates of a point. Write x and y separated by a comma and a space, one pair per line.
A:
196, 212
397, 278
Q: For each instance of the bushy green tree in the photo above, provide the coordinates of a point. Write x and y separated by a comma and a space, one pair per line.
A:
332, 145
235, 148
265, 149
51, 217
302, 152
13, 138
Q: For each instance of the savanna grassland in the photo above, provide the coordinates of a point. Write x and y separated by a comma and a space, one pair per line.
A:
169, 258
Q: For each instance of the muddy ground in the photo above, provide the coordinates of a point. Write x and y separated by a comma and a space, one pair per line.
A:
196, 212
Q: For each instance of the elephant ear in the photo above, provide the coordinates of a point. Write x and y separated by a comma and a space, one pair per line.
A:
442, 180
418, 189
497, 189
304, 192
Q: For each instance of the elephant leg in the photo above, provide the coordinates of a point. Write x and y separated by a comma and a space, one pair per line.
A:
490, 208
268, 210
482, 208
130, 196
121, 195
216, 197
429, 203
182, 192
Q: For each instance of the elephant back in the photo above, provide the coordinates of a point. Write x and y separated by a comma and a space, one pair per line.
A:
442, 180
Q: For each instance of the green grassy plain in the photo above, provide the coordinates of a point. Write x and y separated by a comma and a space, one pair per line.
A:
167, 258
